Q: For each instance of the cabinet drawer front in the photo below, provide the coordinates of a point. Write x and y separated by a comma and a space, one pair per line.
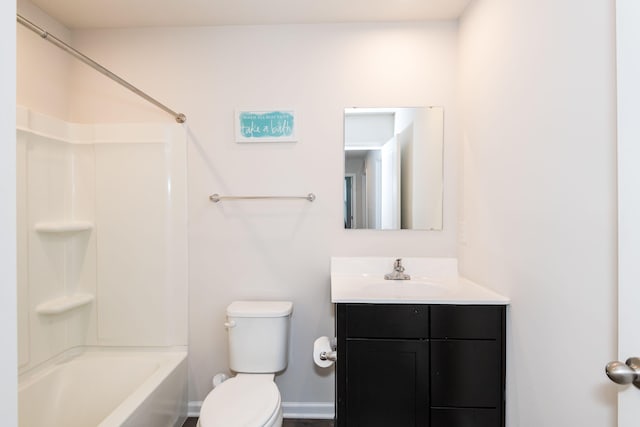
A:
465, 417
467, 321
466, 374
399, 321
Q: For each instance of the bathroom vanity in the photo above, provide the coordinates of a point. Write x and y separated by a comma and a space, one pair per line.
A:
429, 351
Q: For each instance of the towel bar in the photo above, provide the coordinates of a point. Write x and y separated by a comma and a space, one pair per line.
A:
217, 198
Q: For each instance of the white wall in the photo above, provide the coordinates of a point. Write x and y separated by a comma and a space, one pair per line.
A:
8, 356
274, 250
43, 71
539, 200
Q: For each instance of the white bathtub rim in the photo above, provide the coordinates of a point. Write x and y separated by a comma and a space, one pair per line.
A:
119, 415
33, 373
169, 359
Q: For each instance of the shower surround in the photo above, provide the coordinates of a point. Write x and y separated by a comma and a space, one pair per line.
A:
102, 259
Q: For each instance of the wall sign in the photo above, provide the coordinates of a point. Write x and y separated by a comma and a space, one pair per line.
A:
265, 126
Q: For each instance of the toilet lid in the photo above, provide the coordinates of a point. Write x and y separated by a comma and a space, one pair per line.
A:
249, 400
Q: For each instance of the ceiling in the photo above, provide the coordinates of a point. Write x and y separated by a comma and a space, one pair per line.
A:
84, 14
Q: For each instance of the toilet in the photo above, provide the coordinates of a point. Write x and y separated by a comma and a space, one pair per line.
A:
258, 336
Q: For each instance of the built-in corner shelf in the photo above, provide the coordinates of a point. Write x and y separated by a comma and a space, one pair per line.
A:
72, 226
64, 304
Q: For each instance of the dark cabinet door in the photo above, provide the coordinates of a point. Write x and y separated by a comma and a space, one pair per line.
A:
387, 383
466, 373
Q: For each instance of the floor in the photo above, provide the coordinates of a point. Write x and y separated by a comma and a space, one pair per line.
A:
191, 422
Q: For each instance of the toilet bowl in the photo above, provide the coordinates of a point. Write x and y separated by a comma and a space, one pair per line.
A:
258, 333
244, 400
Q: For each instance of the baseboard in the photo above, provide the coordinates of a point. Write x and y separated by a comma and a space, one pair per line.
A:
309, 410
301, 410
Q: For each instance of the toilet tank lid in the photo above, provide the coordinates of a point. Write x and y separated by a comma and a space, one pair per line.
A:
259, 309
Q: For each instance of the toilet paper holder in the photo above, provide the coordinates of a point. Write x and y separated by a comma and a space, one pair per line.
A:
324, 351
329, 355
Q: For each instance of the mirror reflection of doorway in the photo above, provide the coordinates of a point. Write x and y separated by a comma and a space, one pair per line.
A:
396, 157
349, 206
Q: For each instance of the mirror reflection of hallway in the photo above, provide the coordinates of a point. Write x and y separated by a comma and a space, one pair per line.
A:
395, 156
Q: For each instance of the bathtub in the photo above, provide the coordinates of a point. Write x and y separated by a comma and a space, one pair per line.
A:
106, 388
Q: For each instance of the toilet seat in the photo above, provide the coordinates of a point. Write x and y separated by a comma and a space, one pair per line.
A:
247, 400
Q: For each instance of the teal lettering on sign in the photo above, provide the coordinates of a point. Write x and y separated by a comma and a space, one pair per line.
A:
272, 124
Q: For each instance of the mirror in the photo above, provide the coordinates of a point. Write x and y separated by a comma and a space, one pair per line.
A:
393, 168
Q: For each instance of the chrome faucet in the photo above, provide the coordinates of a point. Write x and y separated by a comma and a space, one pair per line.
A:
398, 272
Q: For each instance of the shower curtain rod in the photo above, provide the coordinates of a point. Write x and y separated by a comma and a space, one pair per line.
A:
180, 118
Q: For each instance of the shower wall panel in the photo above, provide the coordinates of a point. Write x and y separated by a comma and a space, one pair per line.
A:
138, 211
52, 265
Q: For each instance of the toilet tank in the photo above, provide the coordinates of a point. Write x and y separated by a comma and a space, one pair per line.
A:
258, 335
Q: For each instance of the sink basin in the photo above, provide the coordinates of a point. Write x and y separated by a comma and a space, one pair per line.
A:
405, 289
410, 285
433, 281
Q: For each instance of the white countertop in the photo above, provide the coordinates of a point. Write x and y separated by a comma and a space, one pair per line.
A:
433, 281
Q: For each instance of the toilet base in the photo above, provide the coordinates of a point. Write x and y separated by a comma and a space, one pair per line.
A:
276, 423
